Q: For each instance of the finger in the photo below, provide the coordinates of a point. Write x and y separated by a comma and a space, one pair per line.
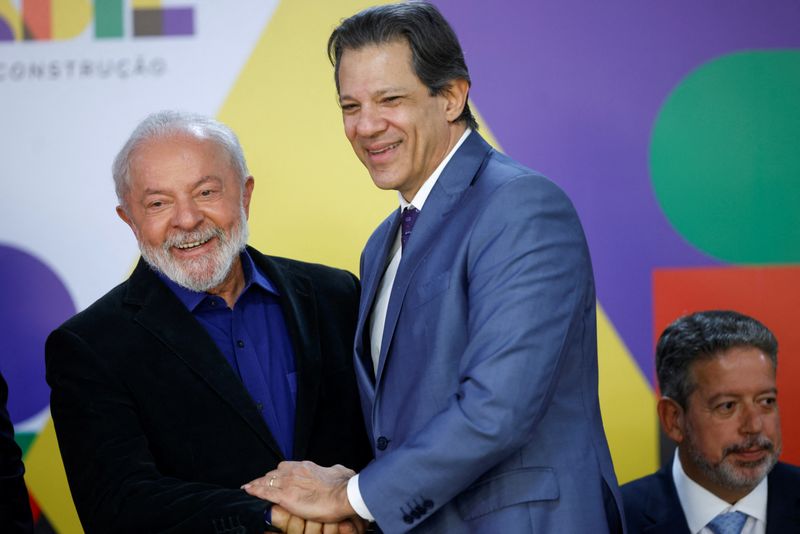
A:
312, 527
344, 527
332, 528
279, 517
295, 526
264, 492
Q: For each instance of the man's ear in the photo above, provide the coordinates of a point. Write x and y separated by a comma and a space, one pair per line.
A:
671, 416
247, 194
455, 94
125, 217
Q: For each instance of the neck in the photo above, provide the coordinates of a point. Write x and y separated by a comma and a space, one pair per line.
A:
232, 287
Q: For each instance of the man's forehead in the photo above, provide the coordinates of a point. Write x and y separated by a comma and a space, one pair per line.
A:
739, 369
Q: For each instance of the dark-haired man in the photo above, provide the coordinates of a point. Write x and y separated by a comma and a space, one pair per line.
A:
476, 350
719, 403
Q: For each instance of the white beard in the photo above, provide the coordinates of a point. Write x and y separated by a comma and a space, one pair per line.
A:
205, 272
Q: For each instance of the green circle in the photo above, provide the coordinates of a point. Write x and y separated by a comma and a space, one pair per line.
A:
725, 157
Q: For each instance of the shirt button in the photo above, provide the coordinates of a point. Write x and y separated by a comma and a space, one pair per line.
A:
240, 344
260, 406
383, 442
213, 303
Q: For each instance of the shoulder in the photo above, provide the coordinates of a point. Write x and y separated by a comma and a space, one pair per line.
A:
101, 313
503, 176
784, 474
634, 490
323, 277
636, 493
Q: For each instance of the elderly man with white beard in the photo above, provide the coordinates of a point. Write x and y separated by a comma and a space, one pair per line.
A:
211, 363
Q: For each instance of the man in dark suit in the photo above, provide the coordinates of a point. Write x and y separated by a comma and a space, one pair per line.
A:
716, 371
211, 363
15, 511
476, 351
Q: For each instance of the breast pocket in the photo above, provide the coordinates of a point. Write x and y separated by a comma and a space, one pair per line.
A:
431, 288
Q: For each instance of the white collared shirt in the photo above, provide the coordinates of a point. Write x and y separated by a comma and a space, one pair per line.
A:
700, 506
377, 318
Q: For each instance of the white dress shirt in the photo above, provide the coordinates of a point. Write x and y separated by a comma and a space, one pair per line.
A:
700, 506
377, 318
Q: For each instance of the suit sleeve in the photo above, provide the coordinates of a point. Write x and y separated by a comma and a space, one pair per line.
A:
113, 477
528, 286
15, 512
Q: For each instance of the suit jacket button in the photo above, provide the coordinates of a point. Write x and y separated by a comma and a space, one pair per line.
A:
382, 443
408, 519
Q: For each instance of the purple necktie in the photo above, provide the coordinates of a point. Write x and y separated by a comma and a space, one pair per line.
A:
409, 217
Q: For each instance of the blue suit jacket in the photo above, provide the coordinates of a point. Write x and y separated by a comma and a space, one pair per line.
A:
652, 505
484, 416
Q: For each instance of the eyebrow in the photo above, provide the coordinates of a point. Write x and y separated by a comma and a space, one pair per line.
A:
198, 183
715, 398
378, 93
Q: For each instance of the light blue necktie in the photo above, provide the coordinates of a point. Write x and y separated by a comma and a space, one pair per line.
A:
729, 523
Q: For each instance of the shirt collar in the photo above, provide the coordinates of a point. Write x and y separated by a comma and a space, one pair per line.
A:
701, 506
252, 276
422, 195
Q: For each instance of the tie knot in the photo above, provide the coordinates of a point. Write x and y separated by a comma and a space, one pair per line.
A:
728, 523
407, 220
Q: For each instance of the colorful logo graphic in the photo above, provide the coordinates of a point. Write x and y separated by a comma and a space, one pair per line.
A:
49, 20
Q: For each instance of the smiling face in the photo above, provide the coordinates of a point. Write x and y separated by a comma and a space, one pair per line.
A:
188, 211
729, 435
397, 129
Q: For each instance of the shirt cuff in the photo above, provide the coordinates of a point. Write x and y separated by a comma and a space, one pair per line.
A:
358, 504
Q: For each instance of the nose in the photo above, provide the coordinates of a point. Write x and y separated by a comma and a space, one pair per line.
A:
752, 420
370, 122
186, 215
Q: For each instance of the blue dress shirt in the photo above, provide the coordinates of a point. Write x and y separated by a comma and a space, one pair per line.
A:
255, 341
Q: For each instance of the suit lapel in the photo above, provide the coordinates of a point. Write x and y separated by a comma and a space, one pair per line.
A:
300, 311
371, 276
167, 319
458, 175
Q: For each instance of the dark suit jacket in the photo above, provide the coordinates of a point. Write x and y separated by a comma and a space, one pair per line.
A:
157, 431
15, 512
652, 505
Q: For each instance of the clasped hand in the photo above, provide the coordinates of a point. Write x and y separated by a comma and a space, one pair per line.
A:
311, 492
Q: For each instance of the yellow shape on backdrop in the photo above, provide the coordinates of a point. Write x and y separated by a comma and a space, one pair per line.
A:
313, 199
628, 405
146, 4
11, 15
71, 19
47, 482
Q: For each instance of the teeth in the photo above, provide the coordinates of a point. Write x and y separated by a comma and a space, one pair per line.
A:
381, 151
193, 244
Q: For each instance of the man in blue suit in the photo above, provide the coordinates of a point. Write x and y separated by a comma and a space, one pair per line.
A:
716, 371
475, 350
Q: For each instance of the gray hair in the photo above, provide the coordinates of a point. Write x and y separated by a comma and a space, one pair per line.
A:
702, 336
168, 123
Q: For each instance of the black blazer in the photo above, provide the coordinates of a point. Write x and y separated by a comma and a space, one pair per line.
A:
652, 505
15, 512
157, 431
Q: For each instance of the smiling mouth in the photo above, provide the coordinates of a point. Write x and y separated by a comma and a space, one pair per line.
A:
384, 149
193, 244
